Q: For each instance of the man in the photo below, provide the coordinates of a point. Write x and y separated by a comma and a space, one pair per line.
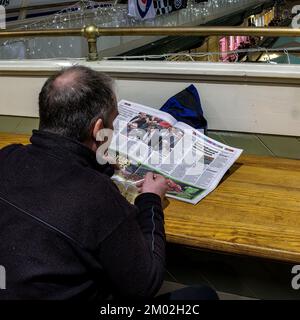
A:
66, 231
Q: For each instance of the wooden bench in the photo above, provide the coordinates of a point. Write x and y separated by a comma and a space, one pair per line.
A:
255, 210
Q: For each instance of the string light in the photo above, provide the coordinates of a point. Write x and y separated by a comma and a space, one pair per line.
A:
208, 55
106, 15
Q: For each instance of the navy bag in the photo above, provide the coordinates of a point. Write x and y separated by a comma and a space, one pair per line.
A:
185, 106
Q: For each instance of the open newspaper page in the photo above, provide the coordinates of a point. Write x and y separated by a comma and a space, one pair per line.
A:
136, 137
210, 161
147, 139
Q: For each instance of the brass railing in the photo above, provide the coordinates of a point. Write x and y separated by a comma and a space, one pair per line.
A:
92, 33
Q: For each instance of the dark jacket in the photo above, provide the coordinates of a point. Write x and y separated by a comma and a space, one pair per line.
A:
66, 231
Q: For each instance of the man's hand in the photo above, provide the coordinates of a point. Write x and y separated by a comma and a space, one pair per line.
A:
154, 183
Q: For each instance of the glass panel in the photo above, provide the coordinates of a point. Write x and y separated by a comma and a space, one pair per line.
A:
178, 48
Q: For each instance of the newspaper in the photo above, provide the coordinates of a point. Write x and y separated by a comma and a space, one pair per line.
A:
146, 139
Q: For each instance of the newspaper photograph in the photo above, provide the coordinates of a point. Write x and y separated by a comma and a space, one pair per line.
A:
147, 139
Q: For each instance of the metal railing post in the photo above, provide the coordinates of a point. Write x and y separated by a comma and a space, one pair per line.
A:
91, 34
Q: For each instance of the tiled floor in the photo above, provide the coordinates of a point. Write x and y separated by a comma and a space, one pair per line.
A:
281, 146
261, 144
27, 125
234, 275
18, 124
250, 143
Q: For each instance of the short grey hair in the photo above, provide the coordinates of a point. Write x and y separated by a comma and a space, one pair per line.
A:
72, 100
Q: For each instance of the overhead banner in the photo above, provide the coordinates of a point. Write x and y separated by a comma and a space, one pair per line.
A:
168, 6
178, 4
141, 9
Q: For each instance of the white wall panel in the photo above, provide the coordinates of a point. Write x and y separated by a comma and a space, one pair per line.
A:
262, 105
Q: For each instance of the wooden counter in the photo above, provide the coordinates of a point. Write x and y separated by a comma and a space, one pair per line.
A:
9, 138
255, 210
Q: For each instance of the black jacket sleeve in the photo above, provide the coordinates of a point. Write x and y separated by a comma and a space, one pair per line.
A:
133, 255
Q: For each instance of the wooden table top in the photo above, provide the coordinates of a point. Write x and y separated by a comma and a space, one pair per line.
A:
9, 138
254, 211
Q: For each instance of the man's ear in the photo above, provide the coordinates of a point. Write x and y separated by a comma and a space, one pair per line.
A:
97, 127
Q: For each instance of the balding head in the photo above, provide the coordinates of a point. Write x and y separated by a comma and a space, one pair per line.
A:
73, 99
67, 79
